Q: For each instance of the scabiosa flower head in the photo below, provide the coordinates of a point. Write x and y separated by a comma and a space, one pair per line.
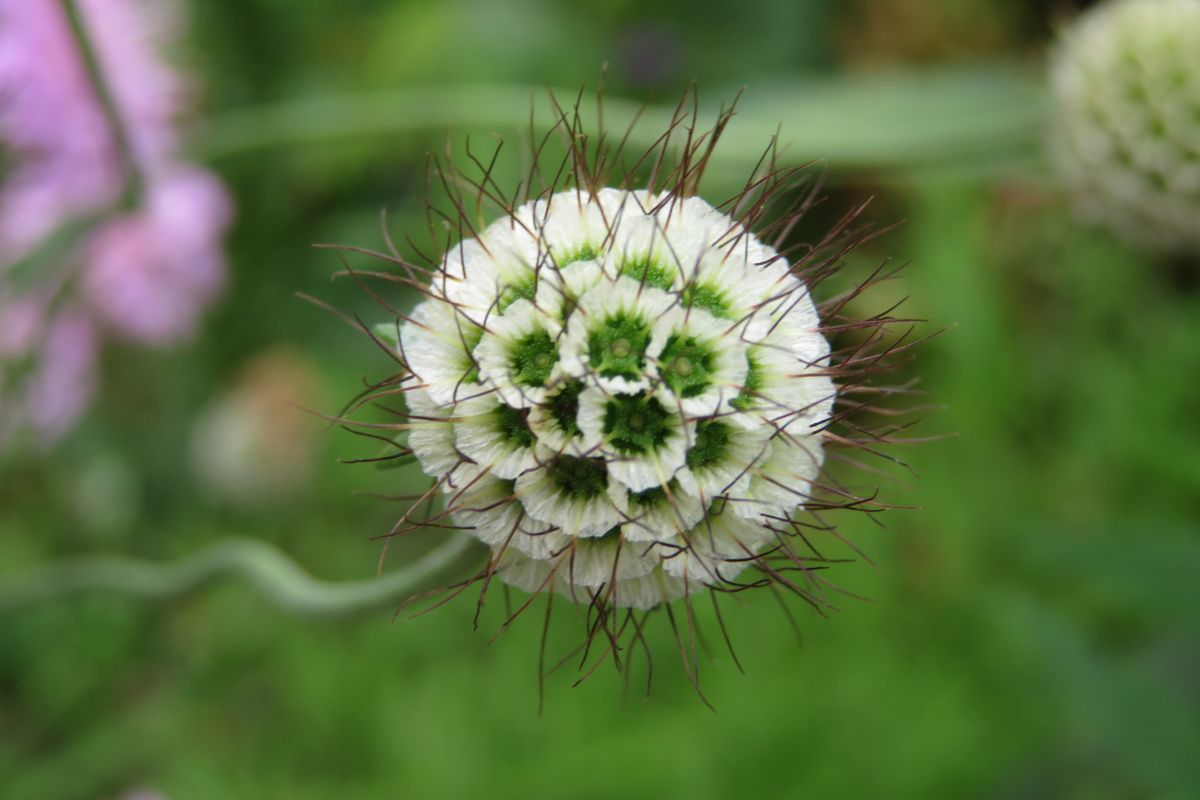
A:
636, 379
1125, 134
626, 392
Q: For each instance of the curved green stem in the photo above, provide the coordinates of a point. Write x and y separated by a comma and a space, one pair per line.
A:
269, 571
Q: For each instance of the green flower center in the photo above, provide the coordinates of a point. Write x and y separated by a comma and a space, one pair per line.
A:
686, 365
532, 359
522, 289
579, 478
747, 398
707, 296
513, 426
564, 407
636, 424
647, 272
617, 347
652, 497
585, 253
712, 443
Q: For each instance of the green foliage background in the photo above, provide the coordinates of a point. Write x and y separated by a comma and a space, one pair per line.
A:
1033, 630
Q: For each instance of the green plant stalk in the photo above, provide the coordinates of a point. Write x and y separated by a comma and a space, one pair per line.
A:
266, 569
959, 117
132, 177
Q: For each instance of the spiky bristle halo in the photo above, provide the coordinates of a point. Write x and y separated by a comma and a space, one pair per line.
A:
627, 394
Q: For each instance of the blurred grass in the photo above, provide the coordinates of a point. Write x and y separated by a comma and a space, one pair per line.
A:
1033, 629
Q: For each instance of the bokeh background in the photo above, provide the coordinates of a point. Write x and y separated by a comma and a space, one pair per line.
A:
1033, 627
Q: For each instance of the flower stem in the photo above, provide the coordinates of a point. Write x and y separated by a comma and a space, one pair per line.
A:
967, 118
132, 183
269, 571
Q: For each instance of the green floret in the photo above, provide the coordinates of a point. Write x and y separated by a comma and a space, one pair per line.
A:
586, 252
654, 496
636, 424
686, 365
617, 347
712, 443
648, 272
747, 398
512, 424
707, 296
579, 478
523, 289
564, 407
532, 359
470, 338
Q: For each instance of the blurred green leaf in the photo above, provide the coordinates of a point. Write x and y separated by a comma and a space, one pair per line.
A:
980, 117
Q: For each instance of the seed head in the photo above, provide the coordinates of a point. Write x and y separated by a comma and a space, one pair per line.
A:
1125, 136
618, 392
627, 393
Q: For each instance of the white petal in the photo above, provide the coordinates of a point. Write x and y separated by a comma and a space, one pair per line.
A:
731, 473
574, 226
517, 569
480, 435
750, 296
782, 481
489, 508
482, 276
559, 292
534, 575
553, 494
786, 393
647, 591
717, 549
437, 344
660, 514
594, 562
486, 505
430, 434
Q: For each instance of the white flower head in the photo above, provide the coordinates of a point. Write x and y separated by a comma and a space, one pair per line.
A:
632, 376
1125, 138
627, 394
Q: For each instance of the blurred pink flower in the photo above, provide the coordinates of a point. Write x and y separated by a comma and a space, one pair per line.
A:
151, 273
146, 273
60, 388
50, 116
51, 398
20, 320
